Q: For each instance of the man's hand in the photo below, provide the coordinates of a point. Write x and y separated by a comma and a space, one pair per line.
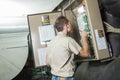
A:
84, 34
83, 3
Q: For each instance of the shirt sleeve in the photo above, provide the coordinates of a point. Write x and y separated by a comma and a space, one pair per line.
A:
73, 46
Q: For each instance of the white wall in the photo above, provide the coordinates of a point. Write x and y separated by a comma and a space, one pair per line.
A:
13, 40
14, 31
13, 54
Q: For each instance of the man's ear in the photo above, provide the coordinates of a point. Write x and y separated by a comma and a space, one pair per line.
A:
68, 28
64, 27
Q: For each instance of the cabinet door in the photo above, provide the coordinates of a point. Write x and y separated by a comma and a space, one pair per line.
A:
97, 35
35, 21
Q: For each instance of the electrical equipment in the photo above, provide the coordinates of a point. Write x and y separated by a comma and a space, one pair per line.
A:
83, 25
90, 19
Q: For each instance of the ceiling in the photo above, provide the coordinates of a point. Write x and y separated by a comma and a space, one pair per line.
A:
13, 14
24, 7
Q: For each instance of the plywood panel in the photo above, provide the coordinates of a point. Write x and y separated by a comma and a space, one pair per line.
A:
34, 22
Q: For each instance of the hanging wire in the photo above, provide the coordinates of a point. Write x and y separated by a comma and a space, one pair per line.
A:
111, 28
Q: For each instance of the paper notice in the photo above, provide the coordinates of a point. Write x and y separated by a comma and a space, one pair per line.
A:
101, 43
42, 56
46, 33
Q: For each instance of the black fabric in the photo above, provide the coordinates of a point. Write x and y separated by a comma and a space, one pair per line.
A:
111, 6
112, 71
112, 20
114, 40
98, 70
110, 12
81, 71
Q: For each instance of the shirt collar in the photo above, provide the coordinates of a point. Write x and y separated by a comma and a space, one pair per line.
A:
61, 34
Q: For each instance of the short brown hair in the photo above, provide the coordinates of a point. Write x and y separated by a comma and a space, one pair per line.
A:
60, 22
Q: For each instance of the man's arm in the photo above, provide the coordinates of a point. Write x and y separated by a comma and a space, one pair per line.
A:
84, 52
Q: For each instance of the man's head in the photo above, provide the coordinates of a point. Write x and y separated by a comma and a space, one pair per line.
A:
63, 24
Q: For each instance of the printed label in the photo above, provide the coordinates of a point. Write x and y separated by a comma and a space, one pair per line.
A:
101, 43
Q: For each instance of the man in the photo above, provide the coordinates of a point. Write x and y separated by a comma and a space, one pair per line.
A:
61, 50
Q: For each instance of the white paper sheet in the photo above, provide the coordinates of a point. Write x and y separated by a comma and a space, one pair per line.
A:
101, 43
42, 56
46, 33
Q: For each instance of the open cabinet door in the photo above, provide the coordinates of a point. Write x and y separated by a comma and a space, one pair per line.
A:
92, 23
39, 33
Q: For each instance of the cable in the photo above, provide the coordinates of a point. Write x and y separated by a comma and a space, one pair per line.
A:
111, 28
